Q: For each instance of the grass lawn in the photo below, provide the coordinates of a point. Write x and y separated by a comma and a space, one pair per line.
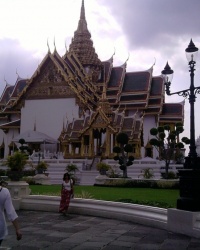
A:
153, 197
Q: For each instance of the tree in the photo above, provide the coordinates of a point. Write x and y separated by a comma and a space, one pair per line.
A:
122, 152
22, 147
16, 164
166, 141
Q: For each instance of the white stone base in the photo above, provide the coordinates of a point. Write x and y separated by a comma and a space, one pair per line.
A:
184, 222
16, 203
100, 179
18, 189
41, 179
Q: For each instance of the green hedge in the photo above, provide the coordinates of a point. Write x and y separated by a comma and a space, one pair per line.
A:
162, 183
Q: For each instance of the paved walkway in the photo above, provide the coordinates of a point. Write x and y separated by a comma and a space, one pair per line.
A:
52, 231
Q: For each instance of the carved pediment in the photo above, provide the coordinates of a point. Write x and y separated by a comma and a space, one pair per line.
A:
49, 84
50, 75
99, 122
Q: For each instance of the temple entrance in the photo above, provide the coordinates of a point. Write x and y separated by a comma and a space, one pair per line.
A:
149, 150
99, 136
2, 152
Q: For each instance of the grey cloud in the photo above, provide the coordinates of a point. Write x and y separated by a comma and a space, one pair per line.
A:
14, 58
154, 23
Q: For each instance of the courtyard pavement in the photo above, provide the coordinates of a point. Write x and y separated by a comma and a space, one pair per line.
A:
53, 231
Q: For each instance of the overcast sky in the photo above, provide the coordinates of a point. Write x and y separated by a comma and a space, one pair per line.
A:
145, 31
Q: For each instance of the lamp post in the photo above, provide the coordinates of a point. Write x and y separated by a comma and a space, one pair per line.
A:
190, 176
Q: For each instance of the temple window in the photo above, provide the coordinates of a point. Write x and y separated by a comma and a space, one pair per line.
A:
87, 69
86, 140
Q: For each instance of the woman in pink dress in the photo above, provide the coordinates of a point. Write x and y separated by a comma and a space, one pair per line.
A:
66, 193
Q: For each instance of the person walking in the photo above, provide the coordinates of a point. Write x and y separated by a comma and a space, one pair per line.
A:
66, 194
7, 206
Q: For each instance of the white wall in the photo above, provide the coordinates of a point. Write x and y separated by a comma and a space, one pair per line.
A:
48, 115
148, 123
7, 139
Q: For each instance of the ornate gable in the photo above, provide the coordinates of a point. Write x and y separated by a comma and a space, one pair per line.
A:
99, 121
103, 117
50, 83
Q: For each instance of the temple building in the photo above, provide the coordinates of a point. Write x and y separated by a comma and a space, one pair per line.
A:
83, 103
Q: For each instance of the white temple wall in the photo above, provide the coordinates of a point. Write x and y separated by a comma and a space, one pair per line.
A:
8, 139
198, 146
3, 136
48, 115
148, 123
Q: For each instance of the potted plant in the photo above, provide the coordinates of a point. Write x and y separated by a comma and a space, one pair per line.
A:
102, 167
41, 167
71, 169
147, 173
16, 164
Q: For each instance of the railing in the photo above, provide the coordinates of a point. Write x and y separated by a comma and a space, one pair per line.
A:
168, 219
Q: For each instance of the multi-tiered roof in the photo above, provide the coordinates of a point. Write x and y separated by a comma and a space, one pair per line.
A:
81, 74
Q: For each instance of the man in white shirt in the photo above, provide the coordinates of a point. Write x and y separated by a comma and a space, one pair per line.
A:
7, 206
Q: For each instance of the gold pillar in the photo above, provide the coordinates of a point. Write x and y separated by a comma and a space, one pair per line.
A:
82, 153
107, 151
73, 150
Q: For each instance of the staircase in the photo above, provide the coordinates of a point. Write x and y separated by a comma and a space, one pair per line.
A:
86, 176
95, 160
56, 172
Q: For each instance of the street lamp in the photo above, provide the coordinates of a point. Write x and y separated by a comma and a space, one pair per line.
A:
189, 176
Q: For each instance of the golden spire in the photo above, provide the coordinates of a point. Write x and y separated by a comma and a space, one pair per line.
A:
82, 16
82, 44
82, 24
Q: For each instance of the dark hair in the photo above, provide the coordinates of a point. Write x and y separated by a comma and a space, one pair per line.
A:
66, 175
3, 183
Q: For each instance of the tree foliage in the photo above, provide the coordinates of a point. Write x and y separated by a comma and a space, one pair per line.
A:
23, 148
166, 141
122, 151
17, 161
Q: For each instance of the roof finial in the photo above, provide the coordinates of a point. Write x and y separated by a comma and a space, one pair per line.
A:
128, 57
5, 81
125, 64
17, 74
48, 45
154, 61
54, 43
153, 64
114, 51
66, 47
